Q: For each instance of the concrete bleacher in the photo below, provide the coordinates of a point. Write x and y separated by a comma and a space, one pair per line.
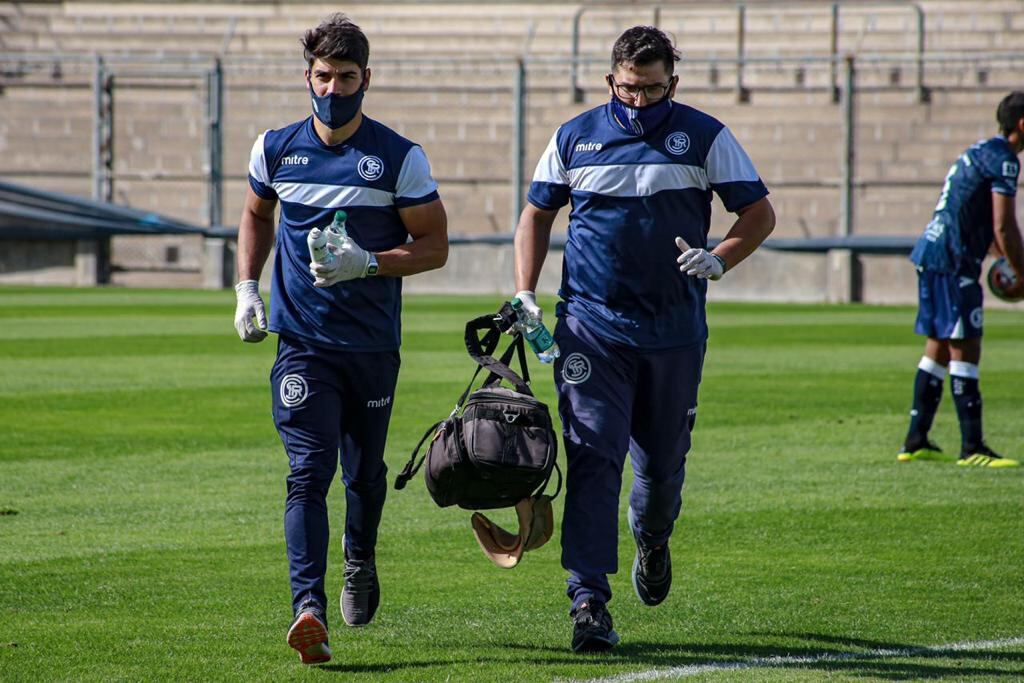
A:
461, 111
507, 29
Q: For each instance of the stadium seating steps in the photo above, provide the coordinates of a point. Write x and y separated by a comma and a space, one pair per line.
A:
463, 114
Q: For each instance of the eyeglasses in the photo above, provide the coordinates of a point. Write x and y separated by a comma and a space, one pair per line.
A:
651, 92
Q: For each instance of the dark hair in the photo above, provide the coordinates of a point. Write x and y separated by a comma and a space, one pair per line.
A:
643, 45
337, 38
1010, 111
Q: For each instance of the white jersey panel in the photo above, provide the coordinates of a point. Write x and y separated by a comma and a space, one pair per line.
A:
727, 161
258, 161
332, 196
637, 180
550, 167
414, 180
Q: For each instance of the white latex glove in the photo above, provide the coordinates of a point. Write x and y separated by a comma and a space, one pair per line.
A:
530, 307
699, 262
350, 262
250, 305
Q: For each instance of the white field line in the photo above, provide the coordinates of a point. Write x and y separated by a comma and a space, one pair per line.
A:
677, 672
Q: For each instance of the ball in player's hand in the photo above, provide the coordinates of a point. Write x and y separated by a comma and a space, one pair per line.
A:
1003, 281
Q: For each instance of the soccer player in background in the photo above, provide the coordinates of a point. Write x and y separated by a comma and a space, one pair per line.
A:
639, 172
976, 207
337, 363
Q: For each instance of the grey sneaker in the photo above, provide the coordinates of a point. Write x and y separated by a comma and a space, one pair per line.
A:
652, 569
361, 594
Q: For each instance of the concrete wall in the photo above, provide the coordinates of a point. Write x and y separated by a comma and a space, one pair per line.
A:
37, 262
765, 276
771, 276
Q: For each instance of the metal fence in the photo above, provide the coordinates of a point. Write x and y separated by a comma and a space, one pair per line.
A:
675, 19
173, 135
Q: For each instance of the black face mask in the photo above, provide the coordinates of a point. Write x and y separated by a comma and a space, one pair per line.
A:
334, 111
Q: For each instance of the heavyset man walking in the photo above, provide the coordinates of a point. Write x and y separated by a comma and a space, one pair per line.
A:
639, 172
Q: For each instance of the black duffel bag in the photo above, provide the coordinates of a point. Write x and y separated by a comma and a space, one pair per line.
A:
496, 449
498, 445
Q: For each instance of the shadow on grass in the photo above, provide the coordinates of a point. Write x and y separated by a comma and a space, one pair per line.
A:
635, 656
919, 651
851, 663
384, 668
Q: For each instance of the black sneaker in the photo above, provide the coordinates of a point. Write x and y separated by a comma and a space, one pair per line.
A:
592, 628
361, 594
308, 634
652, 569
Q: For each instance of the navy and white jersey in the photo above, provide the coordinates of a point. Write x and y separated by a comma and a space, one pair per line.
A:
371, 176
631, 196
961, 232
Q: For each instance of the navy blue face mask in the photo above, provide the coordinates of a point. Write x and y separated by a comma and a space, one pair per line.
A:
640, 120
334, 111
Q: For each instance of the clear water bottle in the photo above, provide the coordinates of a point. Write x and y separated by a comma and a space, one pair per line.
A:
318, 239
336, 230
536, 334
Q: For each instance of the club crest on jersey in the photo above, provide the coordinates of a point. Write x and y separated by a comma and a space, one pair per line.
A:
677, 143
293, 390
370, 167
576, 369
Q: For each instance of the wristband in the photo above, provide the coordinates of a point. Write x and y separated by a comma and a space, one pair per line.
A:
721, 261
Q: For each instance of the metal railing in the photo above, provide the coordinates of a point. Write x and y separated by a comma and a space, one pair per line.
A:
742, 94
208, 76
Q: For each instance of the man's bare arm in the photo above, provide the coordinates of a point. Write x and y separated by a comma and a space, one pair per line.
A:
255, 235
533, 235
428, 226
1007, 232
753, 225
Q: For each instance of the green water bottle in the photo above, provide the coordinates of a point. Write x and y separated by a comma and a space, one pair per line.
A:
536, 334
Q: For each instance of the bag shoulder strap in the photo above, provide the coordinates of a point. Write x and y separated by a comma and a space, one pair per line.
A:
412, 467
480, 350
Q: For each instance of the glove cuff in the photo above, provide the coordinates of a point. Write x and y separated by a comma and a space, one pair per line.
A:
247, 287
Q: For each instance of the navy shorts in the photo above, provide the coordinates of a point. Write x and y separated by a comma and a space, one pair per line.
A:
949, 306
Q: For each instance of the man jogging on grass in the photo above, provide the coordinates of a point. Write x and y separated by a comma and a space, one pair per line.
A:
334, 379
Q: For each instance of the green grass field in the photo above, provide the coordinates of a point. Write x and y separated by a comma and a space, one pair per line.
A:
142, 492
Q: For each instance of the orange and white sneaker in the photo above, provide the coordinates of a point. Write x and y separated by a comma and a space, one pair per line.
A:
308, 634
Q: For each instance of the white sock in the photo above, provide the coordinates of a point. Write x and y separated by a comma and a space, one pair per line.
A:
933, 368
961, 369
